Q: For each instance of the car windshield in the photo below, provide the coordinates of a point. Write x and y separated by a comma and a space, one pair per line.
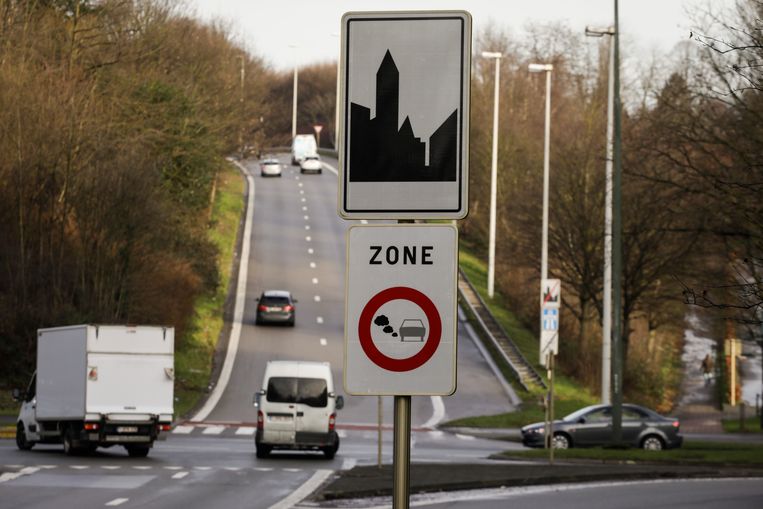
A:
307, 391
270, 162
274, 301
574, 416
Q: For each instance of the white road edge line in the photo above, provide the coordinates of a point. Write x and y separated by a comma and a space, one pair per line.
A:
330, 168
238, 312
117, 501
303, 491
438, 412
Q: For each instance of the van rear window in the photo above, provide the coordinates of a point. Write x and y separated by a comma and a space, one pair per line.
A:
307, 391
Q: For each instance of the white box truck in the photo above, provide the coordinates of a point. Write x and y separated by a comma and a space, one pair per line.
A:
99, 386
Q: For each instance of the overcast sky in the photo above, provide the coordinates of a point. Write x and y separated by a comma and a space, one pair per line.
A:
270, 27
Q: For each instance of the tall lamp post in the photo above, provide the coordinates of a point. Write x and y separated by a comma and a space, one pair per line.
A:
493, 174
294, 97
606, 320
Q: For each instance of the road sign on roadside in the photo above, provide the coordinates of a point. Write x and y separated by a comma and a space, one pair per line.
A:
405, 123
400, 316
550, 302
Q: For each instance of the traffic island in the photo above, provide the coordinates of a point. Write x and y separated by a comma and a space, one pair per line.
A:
372, 481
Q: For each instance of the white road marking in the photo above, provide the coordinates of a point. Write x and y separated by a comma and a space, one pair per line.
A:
179, 475
306, 218
213, 430
79, 467
301, 191
117, 501
202, 468
438, 412
300, 184
232, 469
238, 310
319, 319
303, 200
308, 238
310, 251
307, 227
436, 434
303, 491
342, 433
317, 298
464, 437
48, 467
292, 470
263, 469
182, 430
110, 467
9, 476
304, 209
142, 467
330, 168
312, 265
173, 468
363, 221
324, 342
248, 430
348, 463
315, 280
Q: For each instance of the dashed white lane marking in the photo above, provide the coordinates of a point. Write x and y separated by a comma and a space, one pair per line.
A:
142, 467
182, 430
300, 184
173, 468
48, 467
304, 209
324, 342
117, 501
306, 218
300, 493
179, 475
315, 280
303, 200
213, 430
301, 191
263, 469
312, 265
464, 437
330, 168
308, 238
317, 298
9, 476
232, 469
307, 227
310, 251
110, 467
363, 221
342, 433
319, 319
292, 470
348, 463
202, 468
79, 467
245, 430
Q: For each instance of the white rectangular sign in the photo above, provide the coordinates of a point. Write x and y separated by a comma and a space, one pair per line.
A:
551, 299
404, 126
400, 315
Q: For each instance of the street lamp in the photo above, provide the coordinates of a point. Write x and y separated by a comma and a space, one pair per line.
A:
493, 175
294, 97
606, 320
547, 68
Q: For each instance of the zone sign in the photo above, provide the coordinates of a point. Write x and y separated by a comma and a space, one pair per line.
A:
400, 315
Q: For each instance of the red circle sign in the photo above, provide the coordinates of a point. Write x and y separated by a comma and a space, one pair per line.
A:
367, 342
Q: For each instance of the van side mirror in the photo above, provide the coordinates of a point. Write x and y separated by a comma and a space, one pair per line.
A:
339, 402
16, 395
257, 396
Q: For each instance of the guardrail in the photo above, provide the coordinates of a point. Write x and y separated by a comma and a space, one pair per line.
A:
520, 366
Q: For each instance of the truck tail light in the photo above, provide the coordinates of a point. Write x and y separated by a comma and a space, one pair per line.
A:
91, 426
92, 373
260, 419
332, 422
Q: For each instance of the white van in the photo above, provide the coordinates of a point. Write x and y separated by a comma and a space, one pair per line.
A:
303, 146
296, 408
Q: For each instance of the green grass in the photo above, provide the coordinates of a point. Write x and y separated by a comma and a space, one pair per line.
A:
751, 425
718, 453
568, 395
193, 358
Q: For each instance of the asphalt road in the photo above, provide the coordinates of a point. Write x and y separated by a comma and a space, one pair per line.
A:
298, 244
202, 470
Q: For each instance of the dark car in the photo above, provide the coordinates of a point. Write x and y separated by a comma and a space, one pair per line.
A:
592, 426
275, 306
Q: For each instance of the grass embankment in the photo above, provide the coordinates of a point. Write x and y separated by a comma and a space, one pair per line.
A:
193, 356
568, 395
751, 425
715, 453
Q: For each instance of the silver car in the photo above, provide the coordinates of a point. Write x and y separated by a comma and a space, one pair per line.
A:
270, 168
311, 164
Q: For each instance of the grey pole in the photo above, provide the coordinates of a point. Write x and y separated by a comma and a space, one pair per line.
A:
617, 311
493, 174
401, 453
606, 320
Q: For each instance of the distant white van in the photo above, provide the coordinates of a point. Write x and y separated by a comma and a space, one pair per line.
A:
296, 408
303, 146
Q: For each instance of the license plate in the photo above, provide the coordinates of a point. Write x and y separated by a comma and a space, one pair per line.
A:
127, 429
280, 418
